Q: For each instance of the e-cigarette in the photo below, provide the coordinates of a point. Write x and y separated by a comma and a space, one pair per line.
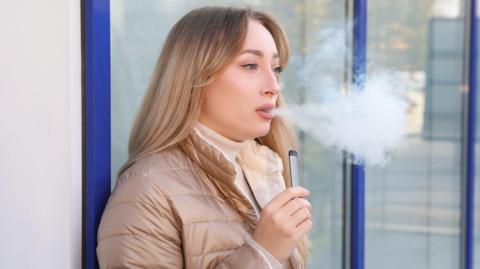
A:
294, 169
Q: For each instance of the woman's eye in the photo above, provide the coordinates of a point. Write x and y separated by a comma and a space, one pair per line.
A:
278, 70
250, 66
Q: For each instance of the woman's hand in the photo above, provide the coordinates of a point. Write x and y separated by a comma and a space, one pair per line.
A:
283, 222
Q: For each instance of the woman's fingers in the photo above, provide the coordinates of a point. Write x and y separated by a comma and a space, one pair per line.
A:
300, 216
283, 222
285, 197
295, 204
304, 227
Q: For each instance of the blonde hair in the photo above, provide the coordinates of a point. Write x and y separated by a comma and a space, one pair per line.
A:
198, 46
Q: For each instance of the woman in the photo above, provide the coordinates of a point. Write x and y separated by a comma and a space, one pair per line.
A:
205, 182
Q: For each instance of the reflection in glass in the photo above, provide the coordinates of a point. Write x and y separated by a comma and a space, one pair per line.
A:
413, 203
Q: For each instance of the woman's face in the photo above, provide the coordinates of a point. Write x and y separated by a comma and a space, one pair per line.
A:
236, 105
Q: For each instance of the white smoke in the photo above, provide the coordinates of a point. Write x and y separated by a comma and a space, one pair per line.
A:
367, 122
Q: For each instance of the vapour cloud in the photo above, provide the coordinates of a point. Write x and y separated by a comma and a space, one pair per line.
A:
368, 122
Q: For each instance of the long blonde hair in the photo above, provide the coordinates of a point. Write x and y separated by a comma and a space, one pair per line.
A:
196, 50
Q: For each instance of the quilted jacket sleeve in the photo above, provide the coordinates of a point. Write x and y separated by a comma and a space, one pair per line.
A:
245, 257
138, 229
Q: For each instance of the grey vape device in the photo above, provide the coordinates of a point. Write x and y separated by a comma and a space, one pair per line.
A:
294, 168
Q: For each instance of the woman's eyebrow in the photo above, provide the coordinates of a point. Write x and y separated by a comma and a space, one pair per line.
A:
258, 53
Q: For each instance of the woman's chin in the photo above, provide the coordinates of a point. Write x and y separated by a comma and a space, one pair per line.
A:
255, 130
262, 131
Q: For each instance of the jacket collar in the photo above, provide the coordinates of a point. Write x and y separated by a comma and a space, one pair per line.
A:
220, 173
209, 159
262, 167
263, 170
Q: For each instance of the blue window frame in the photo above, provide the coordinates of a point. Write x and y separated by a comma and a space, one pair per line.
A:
468, 182
96, 121
357, 199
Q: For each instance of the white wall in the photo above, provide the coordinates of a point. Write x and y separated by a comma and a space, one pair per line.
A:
40, 134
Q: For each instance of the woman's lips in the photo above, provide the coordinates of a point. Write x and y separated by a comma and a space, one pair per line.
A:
264, 114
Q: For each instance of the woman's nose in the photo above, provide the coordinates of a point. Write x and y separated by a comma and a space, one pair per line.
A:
272, 87
271, 91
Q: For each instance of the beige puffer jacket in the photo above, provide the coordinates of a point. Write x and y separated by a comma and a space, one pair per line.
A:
181, 209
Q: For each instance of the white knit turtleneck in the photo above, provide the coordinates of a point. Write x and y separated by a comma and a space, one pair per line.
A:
230, 149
